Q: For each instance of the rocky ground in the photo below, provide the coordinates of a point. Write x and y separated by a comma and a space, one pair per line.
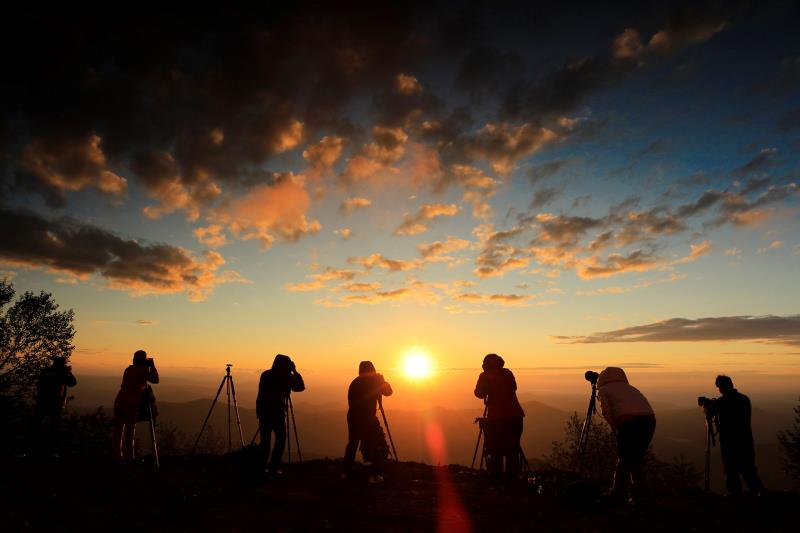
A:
206, 493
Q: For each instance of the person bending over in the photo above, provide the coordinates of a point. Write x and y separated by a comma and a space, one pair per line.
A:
503, 425
129, 400
274, 388
633, 421
363, 426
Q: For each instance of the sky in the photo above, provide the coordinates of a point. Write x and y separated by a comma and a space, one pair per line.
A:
569, 185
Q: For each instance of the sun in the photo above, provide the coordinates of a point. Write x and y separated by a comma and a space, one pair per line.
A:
417, 364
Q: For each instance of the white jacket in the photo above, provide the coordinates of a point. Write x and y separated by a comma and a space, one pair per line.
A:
619, 401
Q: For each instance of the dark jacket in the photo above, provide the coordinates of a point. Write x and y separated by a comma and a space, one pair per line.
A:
363, 395
733, 409
274, 388
499, 388
51, 390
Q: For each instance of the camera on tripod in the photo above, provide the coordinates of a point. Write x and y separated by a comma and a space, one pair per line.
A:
145, 362
702, 401
591, 376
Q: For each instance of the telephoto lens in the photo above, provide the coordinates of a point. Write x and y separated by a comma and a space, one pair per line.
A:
591, 376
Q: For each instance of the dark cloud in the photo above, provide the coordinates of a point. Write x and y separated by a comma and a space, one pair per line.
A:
772, 329
78, 249
542, 197
543, 171
765, 159
790, 121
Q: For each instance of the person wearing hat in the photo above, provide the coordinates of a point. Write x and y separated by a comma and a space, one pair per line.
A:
51, 398
129, 399
503, 425
274, 388
363, 426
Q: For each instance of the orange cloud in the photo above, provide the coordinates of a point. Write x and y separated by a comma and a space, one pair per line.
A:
376, 259
269, 210
323, 155
414, 225
351, 204
438, 250
212, 235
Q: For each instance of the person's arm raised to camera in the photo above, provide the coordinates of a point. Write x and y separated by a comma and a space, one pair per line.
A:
385, 388
481, 387
69, 379
152, 374
297, 383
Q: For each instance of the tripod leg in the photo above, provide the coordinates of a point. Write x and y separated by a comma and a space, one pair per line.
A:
477, 446
228, 393
153, 432
294, 426
288, 440
388, 431
236, 409
219, 390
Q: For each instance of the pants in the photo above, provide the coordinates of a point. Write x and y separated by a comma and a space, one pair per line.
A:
50, 442
267, 426
124, 431
365, 432
502, 442
738, 459
633, 439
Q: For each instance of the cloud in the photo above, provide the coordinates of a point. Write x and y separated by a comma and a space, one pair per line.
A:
543, 171
80, 250
147, 322
761, 162
544, 196
623, 290
770, 329
344, 233
58, 165
351, 204
503, 144
416, 224
267, 211
478, 188
615, 263
322, 156
388, 146
438, 250
378, 260
212, 235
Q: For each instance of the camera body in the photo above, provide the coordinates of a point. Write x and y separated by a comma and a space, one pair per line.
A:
591, 376
145, 362
702, 401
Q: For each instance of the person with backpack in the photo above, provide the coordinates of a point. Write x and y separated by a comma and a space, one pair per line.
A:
363, 427
274, 388
128, 403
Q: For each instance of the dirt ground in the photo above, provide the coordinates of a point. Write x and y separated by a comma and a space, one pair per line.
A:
206, 493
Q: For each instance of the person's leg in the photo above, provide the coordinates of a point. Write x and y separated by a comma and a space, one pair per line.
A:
129, 432
353, 439
730, 464
644, 430
494, 450
514, 433
622, 472
265, 435
118, 426
747, 467
279, 427
55, 430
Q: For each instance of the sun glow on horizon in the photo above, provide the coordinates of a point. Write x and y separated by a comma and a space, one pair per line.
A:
417, 364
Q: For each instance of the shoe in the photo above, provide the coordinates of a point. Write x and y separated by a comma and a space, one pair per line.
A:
375, 479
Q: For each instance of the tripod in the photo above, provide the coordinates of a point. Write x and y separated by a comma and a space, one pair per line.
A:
290, 411
711, 434
587, 426
480, 421
230, 391
386, 424
152, 421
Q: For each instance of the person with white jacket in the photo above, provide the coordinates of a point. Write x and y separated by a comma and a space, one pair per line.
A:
633, 421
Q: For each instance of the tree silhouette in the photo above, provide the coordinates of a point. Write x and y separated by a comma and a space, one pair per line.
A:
32, 331
789, 441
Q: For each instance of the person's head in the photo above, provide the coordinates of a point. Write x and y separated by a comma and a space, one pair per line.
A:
492, 361
610, 375
139, 357
366, 367
59, 361
282, 363
724, 383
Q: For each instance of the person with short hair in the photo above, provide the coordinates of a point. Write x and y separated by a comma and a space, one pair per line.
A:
274, 388
633, 422
129, 400
503, 425
51, 399
363, 426
735, 436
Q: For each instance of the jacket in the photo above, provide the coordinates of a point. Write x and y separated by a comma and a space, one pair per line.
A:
619, 401
499, 388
